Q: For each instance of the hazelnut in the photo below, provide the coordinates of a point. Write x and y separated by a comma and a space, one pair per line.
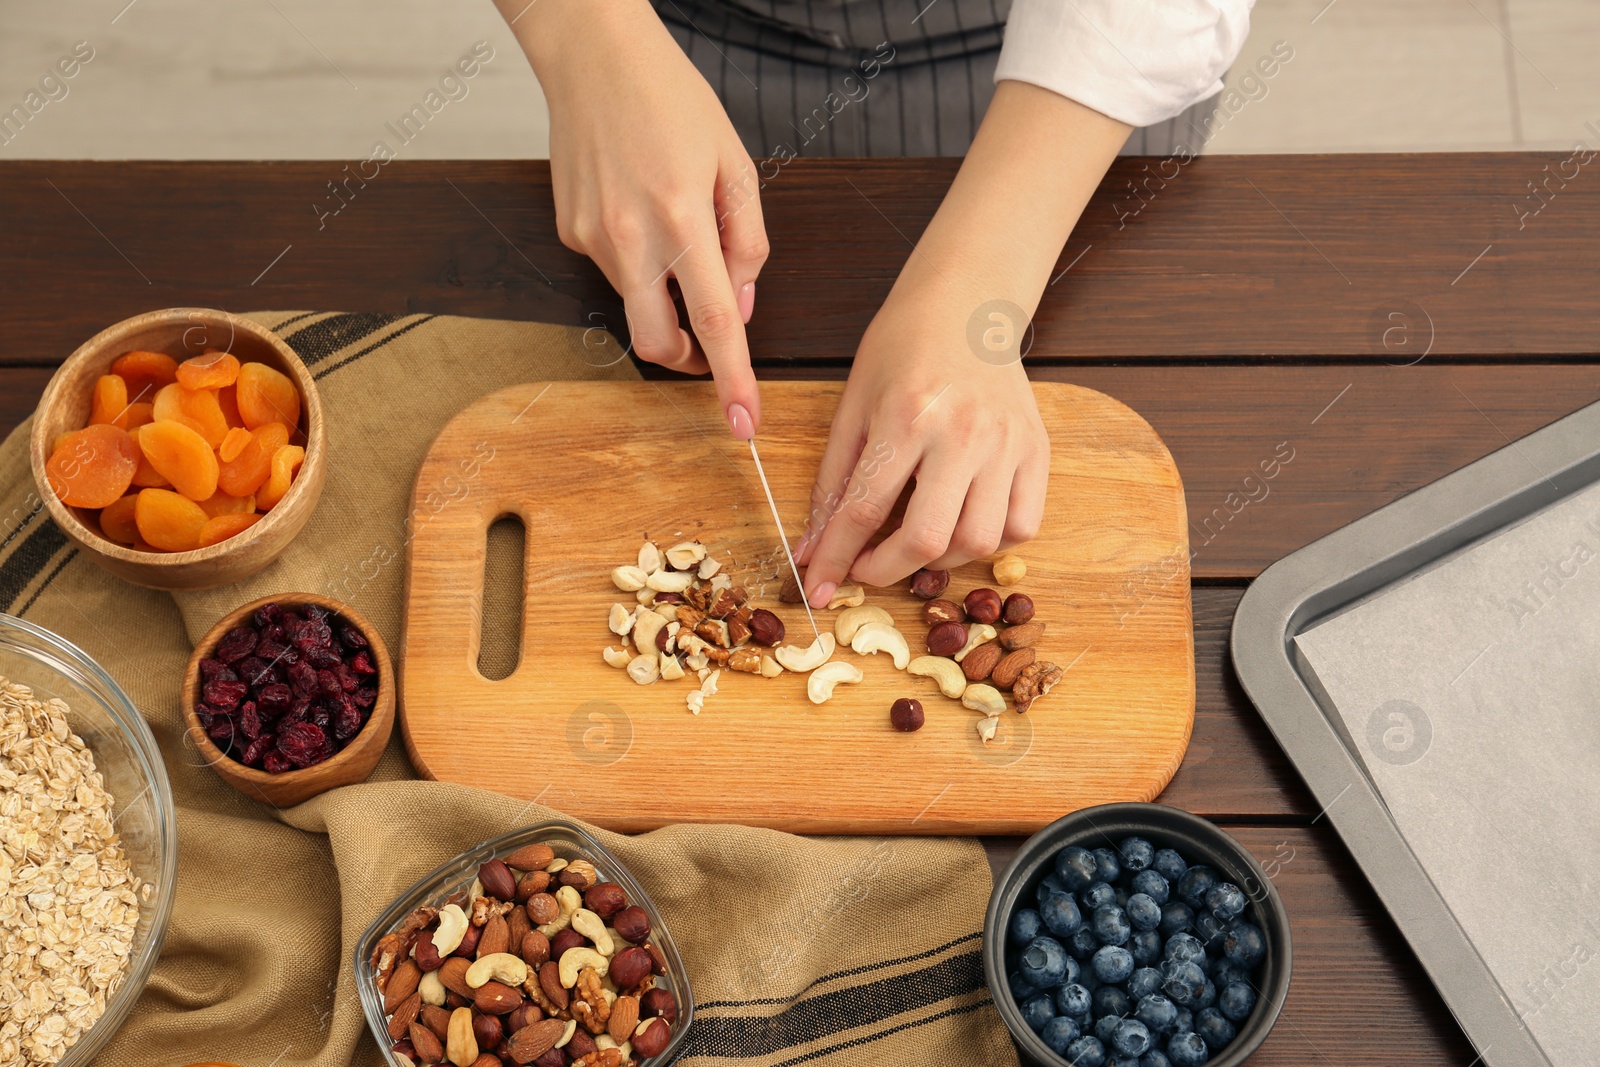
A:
652, 1039
633, 924
531, 883
661, 639
564, 940
929, 584
906, 714
605, 899
497, 880
489, 1031
1018, 609
526, 1015
579, 874
944, 639
552, 1057
542, 907
427, 954
535, 948
660, 1002
630, 967
937, 611
1009, 569
469, 943
983, 605
670, 598
581, 1044
766, 628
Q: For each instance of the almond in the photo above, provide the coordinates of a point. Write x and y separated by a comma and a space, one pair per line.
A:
496, 998
624, 1017
534, 1040
429, 1048
1005, 673
1024, 636
531, 858
404, 1015
435, 1019
496, 937
453, 974
980, 661
531, 883
535, 949
402, 984
550, 982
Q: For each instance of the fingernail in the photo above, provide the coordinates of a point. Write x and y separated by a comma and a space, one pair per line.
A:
747, 300
822, 594
740, 423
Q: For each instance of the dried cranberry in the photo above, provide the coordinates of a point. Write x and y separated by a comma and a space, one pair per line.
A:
270, 650
361, 663
221, 731
313, 633
347, 722
212, 670
205, 715
299, 711
256, 671
274, 699
303, 744
268, 614
352, 638
365, 697
323, 657
322, 719
249, 721
303, 679
347, 677
328, 683
257, 749
236, 644
224, 695
315, 612
275, 633
274, 763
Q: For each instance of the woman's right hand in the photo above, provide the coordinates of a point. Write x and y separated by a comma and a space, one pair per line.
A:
651, 182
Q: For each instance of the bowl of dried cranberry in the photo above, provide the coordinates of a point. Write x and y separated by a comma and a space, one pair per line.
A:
290, 696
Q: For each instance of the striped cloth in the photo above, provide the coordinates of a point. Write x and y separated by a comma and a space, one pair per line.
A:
819, 951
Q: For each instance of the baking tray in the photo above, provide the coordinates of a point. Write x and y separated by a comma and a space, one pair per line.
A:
1352, 564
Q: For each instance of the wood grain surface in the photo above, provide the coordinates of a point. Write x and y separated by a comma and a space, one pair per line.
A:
591, 469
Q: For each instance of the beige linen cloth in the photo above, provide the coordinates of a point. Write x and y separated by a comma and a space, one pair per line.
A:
814, 950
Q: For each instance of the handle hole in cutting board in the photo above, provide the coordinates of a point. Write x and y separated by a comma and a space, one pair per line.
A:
500, 624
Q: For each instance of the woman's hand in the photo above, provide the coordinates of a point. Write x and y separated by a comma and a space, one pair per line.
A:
651, 182
929, 400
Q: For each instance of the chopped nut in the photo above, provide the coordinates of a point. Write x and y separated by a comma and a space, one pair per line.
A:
671, 669
621, 620
669, 581
644, 669
707, 569
1035, 681
848, 596
770, 668
745, 660
617, 655
715, 631
628, 579
790, 592
986, 728
649, 557
645, 628
686, 555
727, 601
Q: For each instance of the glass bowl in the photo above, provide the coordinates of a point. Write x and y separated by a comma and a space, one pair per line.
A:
126, 756
569, 842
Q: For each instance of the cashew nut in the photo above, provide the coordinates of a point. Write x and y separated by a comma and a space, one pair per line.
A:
852, 619
557, 865
984, 698
628, 579
819, 687
499, 967
686, 554
644, 669
645, 628
986, 728
593, 927
649, 557
568, 900
566, 1035
452, 928
620, 620
617, 655
708, 567
576, 959
882, 637
432, 989
609, 1041
809, 658
461, 1044
848, 596
671, 669
947, 672
770, 668
669, 581
978, 633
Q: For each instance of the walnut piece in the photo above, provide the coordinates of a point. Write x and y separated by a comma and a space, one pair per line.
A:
1036, 679
590, 1006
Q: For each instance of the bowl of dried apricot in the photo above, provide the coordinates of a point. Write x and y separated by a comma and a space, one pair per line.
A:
181, 449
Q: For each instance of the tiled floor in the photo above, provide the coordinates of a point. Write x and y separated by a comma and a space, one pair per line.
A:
187, 79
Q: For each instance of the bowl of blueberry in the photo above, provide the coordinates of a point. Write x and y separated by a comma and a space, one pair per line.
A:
1136, 935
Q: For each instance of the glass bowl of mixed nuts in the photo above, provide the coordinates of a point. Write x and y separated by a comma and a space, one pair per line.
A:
537, 947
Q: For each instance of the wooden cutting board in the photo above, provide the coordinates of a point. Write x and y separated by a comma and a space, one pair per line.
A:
593, 468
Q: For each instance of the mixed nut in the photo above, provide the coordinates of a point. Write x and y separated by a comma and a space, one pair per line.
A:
542, 961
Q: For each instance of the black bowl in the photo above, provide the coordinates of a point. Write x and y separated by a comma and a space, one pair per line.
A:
1199, 842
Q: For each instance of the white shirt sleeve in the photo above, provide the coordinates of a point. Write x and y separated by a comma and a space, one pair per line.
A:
1138, 61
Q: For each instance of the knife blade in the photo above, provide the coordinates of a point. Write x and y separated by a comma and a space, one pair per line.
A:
777, 519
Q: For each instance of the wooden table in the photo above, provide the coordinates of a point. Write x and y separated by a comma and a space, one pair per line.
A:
1390, 318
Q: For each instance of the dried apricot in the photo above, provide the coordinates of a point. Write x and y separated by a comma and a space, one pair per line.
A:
110, 401
93, 466
285, 462
168, 521
146, 477
196, 408
222, 527
220, 503
228, 401
248, 471
183, 458
145, 372
265, 395
116, 520
208, 370
233, 443
139, 413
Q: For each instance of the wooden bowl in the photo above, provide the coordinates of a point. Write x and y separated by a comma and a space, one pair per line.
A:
349, 765
181, 333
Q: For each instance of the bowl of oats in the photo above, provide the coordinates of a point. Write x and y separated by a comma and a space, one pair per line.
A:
88, 850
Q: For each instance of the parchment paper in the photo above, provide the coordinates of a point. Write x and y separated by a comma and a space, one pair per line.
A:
1472, 693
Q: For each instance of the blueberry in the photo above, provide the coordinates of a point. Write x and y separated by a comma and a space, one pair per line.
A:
1157, 1012
1098, 895
1244, 946
1058, 1033
1183, 982
1133, 1037
1025, 926
1038, 1010
1145, 980
1195, 884
1044, 962
1226, 901
1073, 1000
1108, 866
1187, 1050
1185, 948
1225, 974
1154, 1058
1169, 864
1146, 947
1021, 988
1176, 917
1185, 1021
1087, 1052
1049, 887
1210, 930
1111, 926
1060, 915
1208, 995
1105, 1028
1144, 912
1083, 944
1111, 1002
1137, 854
1123, 1061
1088, 980
1237, 1001
1076, 867
1074, 970
1121, 899
1213, 1029
1152, 885
1113, 964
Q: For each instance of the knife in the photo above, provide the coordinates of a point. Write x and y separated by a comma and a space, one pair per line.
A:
794, 568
